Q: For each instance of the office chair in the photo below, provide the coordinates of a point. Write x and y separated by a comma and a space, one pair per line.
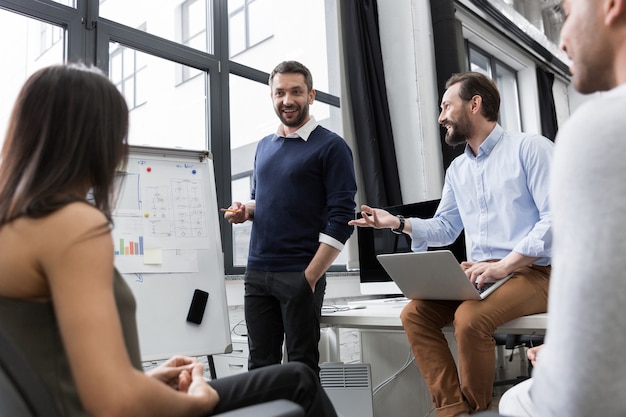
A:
512, 342
22, 394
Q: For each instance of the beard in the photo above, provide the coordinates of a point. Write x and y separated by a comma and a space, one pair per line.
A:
458, 132
294, 122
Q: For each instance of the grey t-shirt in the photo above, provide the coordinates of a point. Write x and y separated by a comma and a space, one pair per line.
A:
579, 372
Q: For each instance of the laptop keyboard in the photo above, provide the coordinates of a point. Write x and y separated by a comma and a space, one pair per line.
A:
485, 286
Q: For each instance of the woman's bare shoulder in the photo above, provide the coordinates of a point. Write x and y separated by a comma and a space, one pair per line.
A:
74, 222
79, 213
31, 246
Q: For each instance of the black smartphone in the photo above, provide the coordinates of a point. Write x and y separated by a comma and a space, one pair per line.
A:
198, 304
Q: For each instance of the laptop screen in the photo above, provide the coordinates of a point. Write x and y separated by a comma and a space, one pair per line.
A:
374, 242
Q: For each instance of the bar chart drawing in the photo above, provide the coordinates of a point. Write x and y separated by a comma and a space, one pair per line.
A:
130, 247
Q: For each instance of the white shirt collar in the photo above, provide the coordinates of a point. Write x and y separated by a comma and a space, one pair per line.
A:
303, 133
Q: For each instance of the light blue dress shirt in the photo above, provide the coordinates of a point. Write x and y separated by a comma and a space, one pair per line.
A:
499, 196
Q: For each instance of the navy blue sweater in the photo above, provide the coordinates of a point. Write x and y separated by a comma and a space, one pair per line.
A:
301, 189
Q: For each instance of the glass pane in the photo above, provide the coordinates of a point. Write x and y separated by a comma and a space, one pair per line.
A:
317, 46
115, 67
252, 117
237, 33
70, 3
509, 107
234, 5
175, 20
163, 113
241, 188
260, 17
196, 13
241, 232
31, 44
479, 62
197, 42
241, 242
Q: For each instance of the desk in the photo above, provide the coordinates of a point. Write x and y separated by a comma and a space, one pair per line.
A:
385, 347
384, 314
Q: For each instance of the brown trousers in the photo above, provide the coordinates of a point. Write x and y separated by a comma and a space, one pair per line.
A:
470, 389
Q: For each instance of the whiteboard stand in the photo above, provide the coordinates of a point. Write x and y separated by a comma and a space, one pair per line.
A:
167, 241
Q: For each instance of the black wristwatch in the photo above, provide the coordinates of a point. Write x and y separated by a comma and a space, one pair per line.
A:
400, 228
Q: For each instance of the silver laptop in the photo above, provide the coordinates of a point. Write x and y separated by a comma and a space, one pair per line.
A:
434, 275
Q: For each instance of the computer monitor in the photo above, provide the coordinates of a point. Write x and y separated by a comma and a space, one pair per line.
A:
373, 278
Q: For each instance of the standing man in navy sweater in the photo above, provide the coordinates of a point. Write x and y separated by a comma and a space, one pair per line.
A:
301, 201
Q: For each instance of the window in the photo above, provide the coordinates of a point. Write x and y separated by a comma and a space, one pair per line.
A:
187, 22
193, 31
125, 69
23, 39
545, 15
317, 47
250, 22
69, 3
241, 187
184, 92
506, 80
163, 114
50, 36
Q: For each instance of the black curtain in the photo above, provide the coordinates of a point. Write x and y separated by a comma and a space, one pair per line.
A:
448, 61
368, 99
547, 109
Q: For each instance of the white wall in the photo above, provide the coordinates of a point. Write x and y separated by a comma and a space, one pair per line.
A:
409, 62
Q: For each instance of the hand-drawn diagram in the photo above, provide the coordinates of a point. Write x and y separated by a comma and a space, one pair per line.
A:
161, 217
189, 210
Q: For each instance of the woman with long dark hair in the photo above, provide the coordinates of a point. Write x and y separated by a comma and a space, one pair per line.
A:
61, 300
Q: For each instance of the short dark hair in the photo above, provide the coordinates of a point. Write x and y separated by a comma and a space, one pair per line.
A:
67, 132
478, 84
293, 67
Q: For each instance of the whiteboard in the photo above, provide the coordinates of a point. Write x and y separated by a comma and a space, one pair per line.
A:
167, 244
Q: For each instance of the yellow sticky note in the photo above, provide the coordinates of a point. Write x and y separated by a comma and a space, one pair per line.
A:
152, 256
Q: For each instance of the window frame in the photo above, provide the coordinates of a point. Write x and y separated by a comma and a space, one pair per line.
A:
89, 36
488, 37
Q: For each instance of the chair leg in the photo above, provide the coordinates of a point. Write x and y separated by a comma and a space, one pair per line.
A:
500, 355
522, 351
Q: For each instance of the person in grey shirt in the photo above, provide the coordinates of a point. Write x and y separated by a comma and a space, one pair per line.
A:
577, 373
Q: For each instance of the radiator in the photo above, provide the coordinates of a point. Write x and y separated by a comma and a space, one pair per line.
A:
349, 387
